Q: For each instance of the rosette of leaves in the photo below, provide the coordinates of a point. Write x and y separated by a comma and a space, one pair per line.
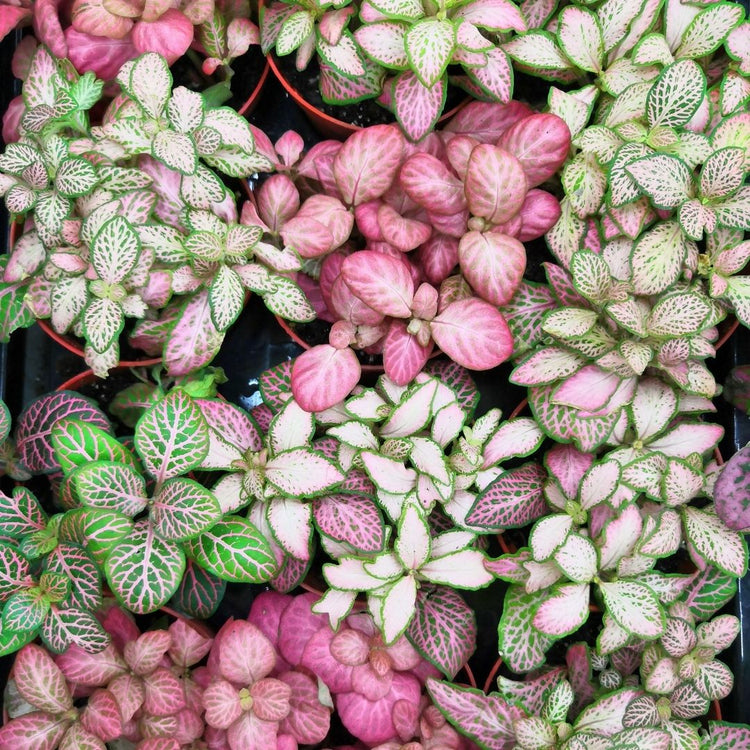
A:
605, 339
416, 43
162, 517
680, 671
177, 129
538, 713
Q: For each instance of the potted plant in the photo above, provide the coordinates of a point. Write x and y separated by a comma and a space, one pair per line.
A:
623, 528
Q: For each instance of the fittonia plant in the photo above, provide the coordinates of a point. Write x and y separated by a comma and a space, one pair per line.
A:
130, 218
399, 52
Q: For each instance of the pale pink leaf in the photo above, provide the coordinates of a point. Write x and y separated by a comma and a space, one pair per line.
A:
40, 681
473, 334
493, 264
324, 376
382, 282
427, 181
403, 355
565, 611
496, 184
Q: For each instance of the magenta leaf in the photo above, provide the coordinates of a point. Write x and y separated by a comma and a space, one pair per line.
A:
276, 384
473, 334
417, 107
403, 355
34, 429
728, 736
354, 519
194, 340
487, 121
308, 720
164, 694
513, 500
102, 716
493, 264
732, 491
444, 629
324, 376
37, 729
540, 142
487, 719
367, 163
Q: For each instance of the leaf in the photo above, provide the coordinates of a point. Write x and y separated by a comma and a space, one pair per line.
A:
677, 315
665, 179
417, 107
496, 184
301, 472
41, 729
353, 519
110, 485
380, 281
144, 570
294, 31
732, 491
493, 264
39, 680
709, 591
512, 500
73, 627
473, 334
76, 443
103, 320
657, 257
183, 509
537, 49
564, 611
675, 95
585, 184
488, 719
708, 30
75, 177
443, 630
367, 163
722, 173
714, 543
20, 513
323, 376
172, 436
383, 41
580, 37
199, 593
430, 43
150, 83
34, 427
234, 550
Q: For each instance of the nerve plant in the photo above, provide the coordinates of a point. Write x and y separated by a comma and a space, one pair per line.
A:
399, 53
130, 220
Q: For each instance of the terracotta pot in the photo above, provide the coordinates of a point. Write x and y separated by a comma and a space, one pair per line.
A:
252, 101
325, 124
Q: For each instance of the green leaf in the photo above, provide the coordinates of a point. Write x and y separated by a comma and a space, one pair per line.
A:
294, 30
150, 83
234, 550
73, 627
183, 509
115, 250
172, 437
25, 610
77, 443
143, 570
75, 177
634, 607
20, 513
110, 485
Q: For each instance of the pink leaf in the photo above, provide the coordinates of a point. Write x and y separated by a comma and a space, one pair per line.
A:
37, 729
428, 181
323, 376
382, 282
367, 163
102, 716
194, 340
541, 143
271, 699
366, 216
349, 307
568, 465
319, 658
453, 225
438, 257
40, 681
164, 695
403, 356
278, 201
401, 232
298, 625
170, 35
495, 183
487, 121
245, 654
129, 693
145, 654
732, 491
83, 668
11, 17
307, 236
92, 17
353, 519
189, 644
493, 15
539, 213
330, 212
99, 54
590, 388
493, 264
222, 702
458, 152
308, 720
372, 721
473, 334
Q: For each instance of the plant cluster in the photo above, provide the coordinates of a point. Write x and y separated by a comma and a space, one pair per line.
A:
100, 36
130, 218
398, 52
414, 247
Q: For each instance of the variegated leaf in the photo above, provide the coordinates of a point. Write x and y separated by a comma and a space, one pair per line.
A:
183, 509
676, 94
714, 542
429, 46
658, 256
580, 37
